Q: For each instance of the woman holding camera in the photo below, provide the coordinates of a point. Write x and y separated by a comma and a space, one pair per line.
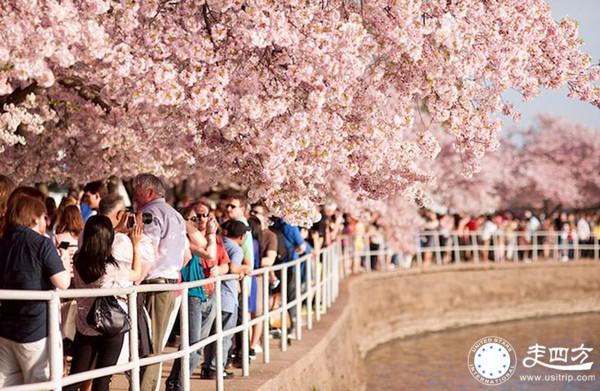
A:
68, 228
95, 267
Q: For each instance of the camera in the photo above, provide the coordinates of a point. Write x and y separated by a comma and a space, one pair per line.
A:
130, 220
147, 218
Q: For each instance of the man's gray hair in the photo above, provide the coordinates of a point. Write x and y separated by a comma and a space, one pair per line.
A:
149, 181
109, 203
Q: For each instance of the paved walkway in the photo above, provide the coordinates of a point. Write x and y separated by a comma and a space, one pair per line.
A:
259, 372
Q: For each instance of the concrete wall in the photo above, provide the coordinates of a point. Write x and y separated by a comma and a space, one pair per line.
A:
378, 307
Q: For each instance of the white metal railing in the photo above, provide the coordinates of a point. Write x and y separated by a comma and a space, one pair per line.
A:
323, 273
503, 246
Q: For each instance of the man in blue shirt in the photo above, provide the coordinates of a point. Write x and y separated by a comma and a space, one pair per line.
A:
296, 246
233, 236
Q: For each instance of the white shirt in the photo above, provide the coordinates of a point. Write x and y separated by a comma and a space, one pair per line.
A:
533, 224
583, 229
488, 230
168, 235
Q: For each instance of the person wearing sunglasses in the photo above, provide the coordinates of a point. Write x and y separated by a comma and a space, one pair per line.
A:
201, 309
235, 209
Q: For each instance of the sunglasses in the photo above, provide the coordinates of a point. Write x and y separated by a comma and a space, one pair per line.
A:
203, 215
193, 218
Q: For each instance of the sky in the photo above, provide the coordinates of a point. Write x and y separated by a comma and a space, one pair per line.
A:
587, 13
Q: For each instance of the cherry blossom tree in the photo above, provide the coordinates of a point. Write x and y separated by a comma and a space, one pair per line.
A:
555, 163
483, 192
281, 96
559, 165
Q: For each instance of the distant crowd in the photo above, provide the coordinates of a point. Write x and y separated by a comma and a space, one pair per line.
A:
509, 236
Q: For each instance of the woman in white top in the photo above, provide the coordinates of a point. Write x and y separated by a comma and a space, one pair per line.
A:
95, 267
68, 228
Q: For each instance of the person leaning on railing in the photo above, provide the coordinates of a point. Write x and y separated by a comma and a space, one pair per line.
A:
296, 246
234, 233
95, 267
193, 271
167, 232
28, 261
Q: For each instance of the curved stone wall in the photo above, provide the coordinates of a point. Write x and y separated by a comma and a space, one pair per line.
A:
378, 307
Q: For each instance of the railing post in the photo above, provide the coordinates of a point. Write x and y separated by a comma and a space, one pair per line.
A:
298, 300
185, 338
515, 254
284, 305
325, 273
245, 329
327, 295
219, 332
534, 251
337, 251
456, 249
419, 253
55, 342
318, 276
267, 316
333, 275
368, 254
596, 247
437, 249
475, 247
310, 291
134, 356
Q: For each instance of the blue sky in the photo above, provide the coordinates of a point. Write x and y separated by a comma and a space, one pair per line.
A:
587, 13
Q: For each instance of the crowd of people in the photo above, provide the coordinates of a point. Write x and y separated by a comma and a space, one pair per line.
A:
509, 236
92, 239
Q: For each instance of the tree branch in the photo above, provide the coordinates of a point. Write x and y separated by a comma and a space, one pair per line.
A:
17, 96
205, 11
90, 93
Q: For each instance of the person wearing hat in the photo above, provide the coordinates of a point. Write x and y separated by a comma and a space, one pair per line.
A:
234, 232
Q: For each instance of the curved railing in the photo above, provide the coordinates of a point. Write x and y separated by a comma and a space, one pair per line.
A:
323, 270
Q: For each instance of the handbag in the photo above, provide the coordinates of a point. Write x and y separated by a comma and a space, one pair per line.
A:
107, 317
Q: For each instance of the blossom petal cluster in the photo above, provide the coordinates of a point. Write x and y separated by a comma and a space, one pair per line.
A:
279, 96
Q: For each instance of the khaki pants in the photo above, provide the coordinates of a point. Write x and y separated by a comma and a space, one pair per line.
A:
23, 363
161, 306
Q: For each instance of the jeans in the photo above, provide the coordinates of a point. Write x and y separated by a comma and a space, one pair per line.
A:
210, 356
201, 316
